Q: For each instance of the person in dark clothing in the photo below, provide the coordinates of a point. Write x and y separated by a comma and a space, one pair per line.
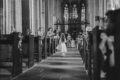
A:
98, 60
113, 29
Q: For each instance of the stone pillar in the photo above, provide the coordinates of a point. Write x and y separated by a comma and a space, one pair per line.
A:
8, 16
1, 17
32, 19
54, 16
87, 11
101, 8
54, 13
4, 17
12, 16
34, 16
92, 12
105, 6
41, 23
18, 15
43, 15
38, 16
40, 13
46, 25
51, 12
30, 10
46, 16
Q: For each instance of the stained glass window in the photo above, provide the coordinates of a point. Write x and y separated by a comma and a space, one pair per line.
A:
66, 13
70, 12
83, 13
75, 14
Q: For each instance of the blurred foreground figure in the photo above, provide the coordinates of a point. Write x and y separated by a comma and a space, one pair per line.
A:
110, 45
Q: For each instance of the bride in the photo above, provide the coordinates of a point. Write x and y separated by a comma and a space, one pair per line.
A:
62, 44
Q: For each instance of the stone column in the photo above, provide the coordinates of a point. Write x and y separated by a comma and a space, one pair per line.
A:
50, 12
12, 16
46, 16
91, 7
105, 6
38, 16
43, 15
4, 17
40, 13
53, 14
7, 10
46, 25
18, 15
100, 8
87, 11
32, 20
34, 16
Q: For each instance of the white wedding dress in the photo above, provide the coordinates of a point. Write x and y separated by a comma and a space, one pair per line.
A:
63, 48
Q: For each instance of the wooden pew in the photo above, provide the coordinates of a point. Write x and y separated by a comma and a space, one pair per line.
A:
38, 48
90, 55
12, 60
28, 50
43, 49
48, 46
53, 46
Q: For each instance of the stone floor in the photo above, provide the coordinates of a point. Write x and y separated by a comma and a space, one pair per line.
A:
57, 67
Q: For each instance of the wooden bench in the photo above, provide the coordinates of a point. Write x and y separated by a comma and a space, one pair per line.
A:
12, 60
38, 48
28, 50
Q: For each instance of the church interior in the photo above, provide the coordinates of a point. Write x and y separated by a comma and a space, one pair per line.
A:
34, 32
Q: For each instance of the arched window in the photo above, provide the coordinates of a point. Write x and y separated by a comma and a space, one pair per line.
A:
74, 12
70, 12
83, 13
66, 13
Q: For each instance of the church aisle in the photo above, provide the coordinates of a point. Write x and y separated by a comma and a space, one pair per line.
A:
57, 67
